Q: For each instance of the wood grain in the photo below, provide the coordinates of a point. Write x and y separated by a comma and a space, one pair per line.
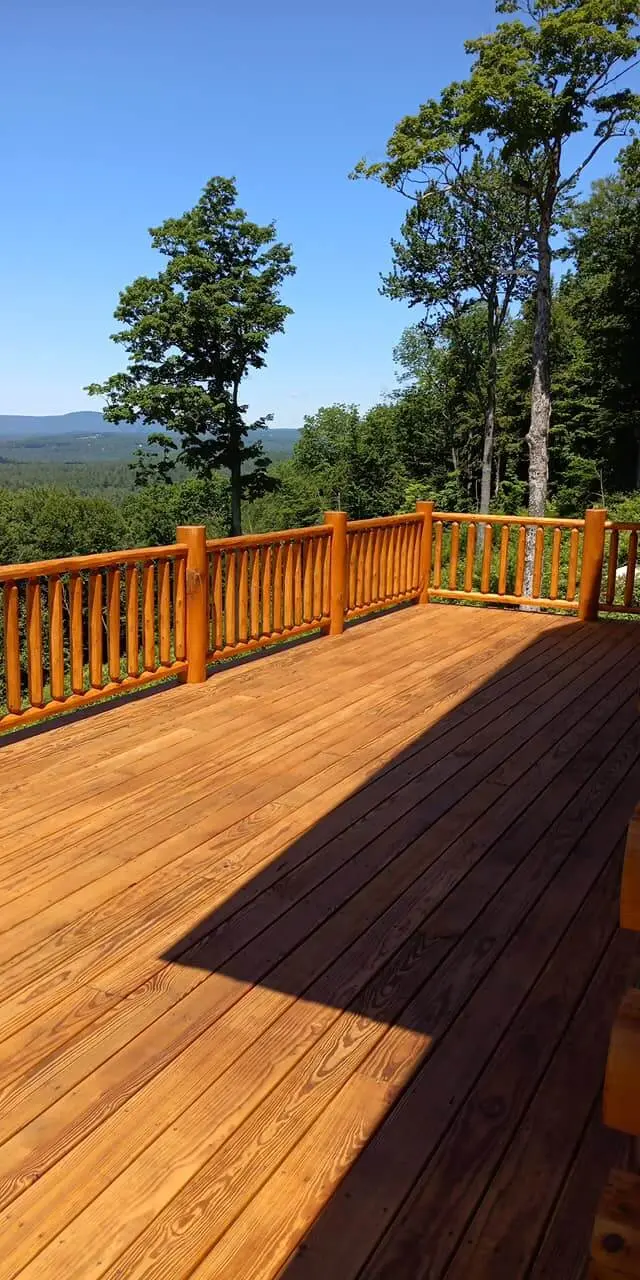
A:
355, 852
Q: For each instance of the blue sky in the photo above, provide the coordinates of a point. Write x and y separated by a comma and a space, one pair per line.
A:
116, 114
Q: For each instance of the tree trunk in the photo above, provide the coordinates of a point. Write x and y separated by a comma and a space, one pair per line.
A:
236, 497
489, 422
235, 468
538, 437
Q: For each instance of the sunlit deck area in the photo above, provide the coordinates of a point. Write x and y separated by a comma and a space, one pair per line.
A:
309, 971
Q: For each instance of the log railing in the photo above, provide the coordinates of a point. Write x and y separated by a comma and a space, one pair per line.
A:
77, 629
266, 587
620, 593
384, 562
483, 558
80, 628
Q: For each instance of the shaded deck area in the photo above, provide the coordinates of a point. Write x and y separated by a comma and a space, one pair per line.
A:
310, 971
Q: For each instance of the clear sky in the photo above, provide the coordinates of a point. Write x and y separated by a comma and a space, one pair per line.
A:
115, 114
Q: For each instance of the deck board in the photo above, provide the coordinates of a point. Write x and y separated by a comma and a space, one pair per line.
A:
296, 966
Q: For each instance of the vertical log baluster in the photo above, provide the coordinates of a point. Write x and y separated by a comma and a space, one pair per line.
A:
613, 567
368, 567
395, 559
11, 602
572, 572
75, 633
256, 629
95, 630
437, 556
113, 623
307, 580
289, 586
485, 579
359, 548
326, 576
555, 564
538, 560
453, 560
504, 559
230, 601
267, 590
520, 560
56, 638
470, 558
217, 603
180, 609
278, 593
630, 577
148, 617
12, 647
164, 612
297, 584
375, 565
317, 561
243, 596
34, 643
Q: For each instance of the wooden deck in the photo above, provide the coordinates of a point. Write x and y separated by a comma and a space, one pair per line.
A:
310, 971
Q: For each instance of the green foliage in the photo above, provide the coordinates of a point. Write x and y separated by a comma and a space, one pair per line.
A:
153, 513
466, 240
157, 463
605, 295
44, 523
195, 330
352, 462
536, 83
549, 73
441, 412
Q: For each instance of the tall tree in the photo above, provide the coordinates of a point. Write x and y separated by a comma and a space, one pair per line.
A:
604, 242
195, 330
441, 408
466, 239
540, 79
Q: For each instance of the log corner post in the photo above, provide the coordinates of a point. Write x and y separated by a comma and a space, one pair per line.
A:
197, 606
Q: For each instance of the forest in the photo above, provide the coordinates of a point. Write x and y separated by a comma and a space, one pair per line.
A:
517, 386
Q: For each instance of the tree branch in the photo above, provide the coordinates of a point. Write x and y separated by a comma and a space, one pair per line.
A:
606, 137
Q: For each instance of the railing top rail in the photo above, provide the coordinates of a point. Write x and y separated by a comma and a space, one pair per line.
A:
464, 517
246, 540
101, 560
627, 526
382, 522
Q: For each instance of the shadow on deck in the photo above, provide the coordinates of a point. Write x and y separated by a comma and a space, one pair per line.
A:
463, 901
414, 977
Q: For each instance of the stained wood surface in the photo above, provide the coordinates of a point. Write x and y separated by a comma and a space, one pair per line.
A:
621, 1101
630, 887
311, 970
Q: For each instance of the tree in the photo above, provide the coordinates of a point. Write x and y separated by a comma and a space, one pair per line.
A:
151, 467
534, 85
153, 512
351, 461
466, 239
45, 523
604, 291
195, 330
440, 409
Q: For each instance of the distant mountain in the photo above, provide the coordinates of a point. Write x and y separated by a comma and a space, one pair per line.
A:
87, 422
